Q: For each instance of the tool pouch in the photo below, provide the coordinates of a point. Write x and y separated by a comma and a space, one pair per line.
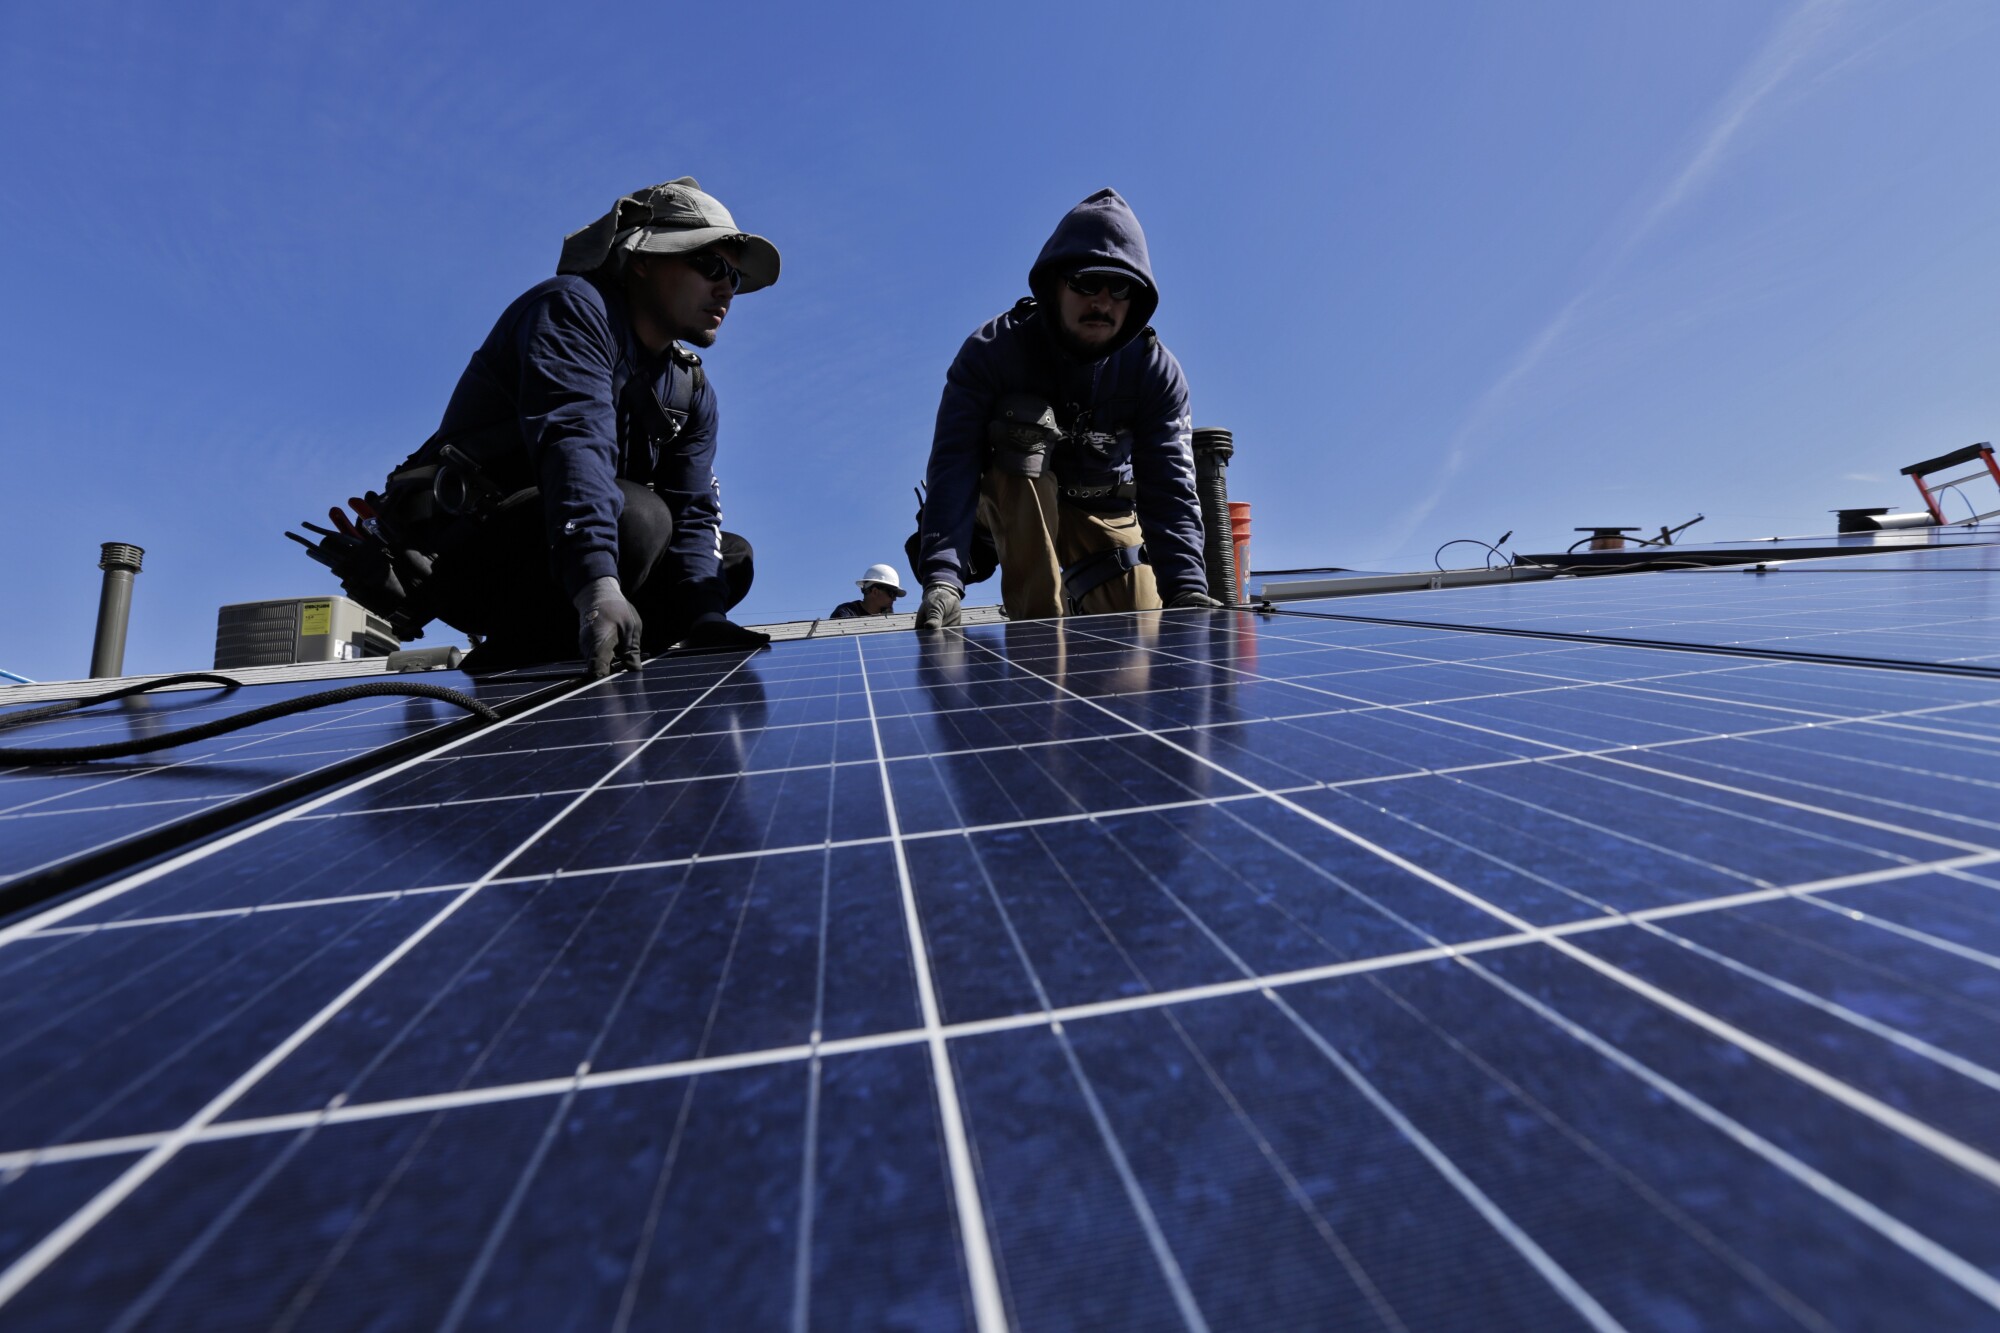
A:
1022, 433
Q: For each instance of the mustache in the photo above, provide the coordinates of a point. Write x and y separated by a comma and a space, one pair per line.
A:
1094, 318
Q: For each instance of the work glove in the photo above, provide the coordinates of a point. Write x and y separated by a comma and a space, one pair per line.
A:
607, 628
1192, 598
939, 609
712, 630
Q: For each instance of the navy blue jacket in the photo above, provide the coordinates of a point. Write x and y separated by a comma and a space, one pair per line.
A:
1136, 387
563, 396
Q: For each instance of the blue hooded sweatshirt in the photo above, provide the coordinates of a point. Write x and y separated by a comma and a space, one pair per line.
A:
1135, 392
563, 396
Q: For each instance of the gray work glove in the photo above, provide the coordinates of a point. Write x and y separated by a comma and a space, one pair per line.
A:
712, 630
939, 609
1191, 598
607, 628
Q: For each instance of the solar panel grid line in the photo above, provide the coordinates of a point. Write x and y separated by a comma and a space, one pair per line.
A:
1951, 1149
809, 1154
989, 1310
1958, 1064
152, 770
1743, 650
953, 1031
1887, 721
218, 913
1344, 1255
1925, 938
1558, 1277
1773, 799
341, 1112
1828, 719
29, 1265
1149, 1222
1844, 1013
1773, 1290
1013, 823
1951, 1265
11, 931
1515, 1236
1716, 866
1291, 789
1609, 756
1643, 681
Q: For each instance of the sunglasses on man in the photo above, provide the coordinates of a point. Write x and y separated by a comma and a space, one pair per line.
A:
715, 268
1116, 286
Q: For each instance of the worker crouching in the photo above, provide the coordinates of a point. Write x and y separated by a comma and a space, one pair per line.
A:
568, 501
1064, 431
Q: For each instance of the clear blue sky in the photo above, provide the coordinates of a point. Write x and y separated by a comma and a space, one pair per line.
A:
1445, 268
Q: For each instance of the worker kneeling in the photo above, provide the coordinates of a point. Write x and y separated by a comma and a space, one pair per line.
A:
569, 495
1064, 431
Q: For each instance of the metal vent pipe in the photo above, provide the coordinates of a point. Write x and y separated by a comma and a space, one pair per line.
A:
120, 562
1213, 448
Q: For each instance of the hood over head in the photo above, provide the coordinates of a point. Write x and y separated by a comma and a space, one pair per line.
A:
1100, 232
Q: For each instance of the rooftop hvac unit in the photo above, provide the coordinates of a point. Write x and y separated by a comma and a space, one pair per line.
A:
308, 629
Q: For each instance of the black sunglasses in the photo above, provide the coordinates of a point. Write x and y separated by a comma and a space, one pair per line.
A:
715, 268
1114, 285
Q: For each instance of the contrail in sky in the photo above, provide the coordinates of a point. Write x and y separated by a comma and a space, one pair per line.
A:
1796, 38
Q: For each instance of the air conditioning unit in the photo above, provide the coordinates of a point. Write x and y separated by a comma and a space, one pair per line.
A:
299, 629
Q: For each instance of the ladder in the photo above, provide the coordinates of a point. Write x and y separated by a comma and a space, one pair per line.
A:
1933, 493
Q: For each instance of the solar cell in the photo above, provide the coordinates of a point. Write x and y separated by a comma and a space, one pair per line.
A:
52, 817
1221, 971
1944, 617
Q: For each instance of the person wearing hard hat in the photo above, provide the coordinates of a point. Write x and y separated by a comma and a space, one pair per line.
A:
568, 501
1064, 432
879, 591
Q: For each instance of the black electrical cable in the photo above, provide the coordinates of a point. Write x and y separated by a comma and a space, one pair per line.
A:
77, 754
1468, 541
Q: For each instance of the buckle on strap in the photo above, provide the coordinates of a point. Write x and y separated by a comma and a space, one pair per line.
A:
1092, 572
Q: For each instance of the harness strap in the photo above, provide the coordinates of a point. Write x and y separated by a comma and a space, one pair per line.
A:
1092, 572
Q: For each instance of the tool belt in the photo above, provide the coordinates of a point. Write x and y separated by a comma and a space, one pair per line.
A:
424, 510
1097, 569
1117, 495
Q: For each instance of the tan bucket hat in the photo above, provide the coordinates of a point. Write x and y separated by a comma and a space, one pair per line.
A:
670, 219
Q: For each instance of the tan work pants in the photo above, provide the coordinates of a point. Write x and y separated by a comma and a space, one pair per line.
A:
1038, 537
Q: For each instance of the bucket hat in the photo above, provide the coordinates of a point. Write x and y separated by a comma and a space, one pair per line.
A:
673, 218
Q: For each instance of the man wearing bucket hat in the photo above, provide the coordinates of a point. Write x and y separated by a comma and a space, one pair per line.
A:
1064, 430
569, 496
879, 590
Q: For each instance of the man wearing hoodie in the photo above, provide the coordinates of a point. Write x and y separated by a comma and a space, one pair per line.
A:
1064, 430
569, 496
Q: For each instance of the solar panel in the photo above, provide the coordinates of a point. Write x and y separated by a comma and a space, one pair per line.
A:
54, 818
1985, 558
1146, 971
1948, 617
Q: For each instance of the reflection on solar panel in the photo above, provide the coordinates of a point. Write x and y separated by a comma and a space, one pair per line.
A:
53, 819
1216, 971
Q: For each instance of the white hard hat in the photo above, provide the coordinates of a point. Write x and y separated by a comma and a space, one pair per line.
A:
881, 574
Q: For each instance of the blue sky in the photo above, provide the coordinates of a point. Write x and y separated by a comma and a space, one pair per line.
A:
1446, 269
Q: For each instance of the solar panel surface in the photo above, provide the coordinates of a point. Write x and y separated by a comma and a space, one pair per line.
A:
1216, 971
51, 817
1947, 616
